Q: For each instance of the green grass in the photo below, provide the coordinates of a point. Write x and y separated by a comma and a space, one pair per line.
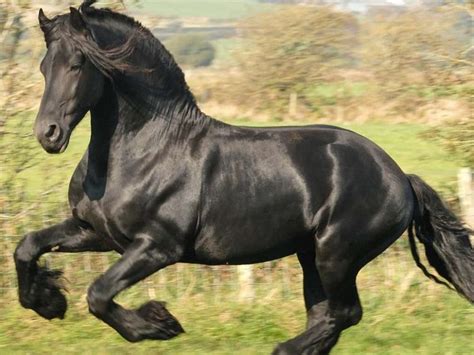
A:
419, 323
439, 325
213, 9
331, 93
435, 92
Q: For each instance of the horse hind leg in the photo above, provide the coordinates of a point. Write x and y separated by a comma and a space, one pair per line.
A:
338, 307
331, 296
314, 296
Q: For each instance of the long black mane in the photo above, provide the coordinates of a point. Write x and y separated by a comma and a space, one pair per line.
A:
140, 68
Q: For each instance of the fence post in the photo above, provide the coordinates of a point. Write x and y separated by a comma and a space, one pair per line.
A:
246, 290
466, 194
293, 104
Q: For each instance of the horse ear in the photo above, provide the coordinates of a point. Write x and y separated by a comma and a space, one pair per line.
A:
44, 22
77, 22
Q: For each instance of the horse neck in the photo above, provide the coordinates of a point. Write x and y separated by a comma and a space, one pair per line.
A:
117, 127
121, 125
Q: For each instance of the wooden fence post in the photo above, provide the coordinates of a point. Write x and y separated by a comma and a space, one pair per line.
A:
466, 194
246, 289
293, 104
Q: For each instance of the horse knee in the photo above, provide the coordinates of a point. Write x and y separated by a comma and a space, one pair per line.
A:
349, 315
96, 301
26, 250
354, 315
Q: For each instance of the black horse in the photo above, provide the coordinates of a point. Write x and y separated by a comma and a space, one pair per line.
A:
163, 183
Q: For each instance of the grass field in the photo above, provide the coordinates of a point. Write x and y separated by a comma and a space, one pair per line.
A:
213, 9
428, 329
414, 317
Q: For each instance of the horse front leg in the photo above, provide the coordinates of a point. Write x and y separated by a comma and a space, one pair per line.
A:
40, 288
150, 321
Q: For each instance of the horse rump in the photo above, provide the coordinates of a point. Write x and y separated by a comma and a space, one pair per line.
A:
446, 240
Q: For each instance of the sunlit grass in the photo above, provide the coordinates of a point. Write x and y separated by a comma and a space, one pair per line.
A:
421, 322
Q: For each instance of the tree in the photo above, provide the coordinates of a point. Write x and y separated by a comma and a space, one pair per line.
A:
458, 138
418, 47
289, 50
191, 50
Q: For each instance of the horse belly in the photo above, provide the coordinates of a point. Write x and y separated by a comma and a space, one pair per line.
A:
252, 242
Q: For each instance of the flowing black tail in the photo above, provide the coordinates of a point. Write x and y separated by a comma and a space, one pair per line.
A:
446, 241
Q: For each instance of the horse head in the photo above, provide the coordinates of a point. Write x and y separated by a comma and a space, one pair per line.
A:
73, 84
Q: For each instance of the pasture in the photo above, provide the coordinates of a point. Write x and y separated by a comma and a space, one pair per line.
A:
423, 321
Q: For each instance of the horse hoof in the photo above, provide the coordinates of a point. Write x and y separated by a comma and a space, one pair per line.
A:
46, 297
163, 324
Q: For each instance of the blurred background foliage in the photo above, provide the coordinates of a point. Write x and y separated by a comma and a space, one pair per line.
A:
191, 50
398, 72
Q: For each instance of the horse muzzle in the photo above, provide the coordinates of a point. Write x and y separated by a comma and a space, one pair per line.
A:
53, 138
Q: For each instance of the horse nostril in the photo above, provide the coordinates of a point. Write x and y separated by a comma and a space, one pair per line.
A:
52, 133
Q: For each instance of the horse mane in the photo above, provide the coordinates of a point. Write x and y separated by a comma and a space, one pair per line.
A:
157, 90
86, 7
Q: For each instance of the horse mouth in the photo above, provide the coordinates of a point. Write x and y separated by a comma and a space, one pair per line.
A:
59, 148
64, 146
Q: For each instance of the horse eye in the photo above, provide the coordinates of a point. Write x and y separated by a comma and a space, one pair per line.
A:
77, 61
76, 66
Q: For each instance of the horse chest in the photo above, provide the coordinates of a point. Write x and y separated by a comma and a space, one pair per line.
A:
123, 210
104, 209
101, 221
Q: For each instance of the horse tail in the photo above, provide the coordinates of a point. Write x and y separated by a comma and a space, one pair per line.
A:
446, 240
